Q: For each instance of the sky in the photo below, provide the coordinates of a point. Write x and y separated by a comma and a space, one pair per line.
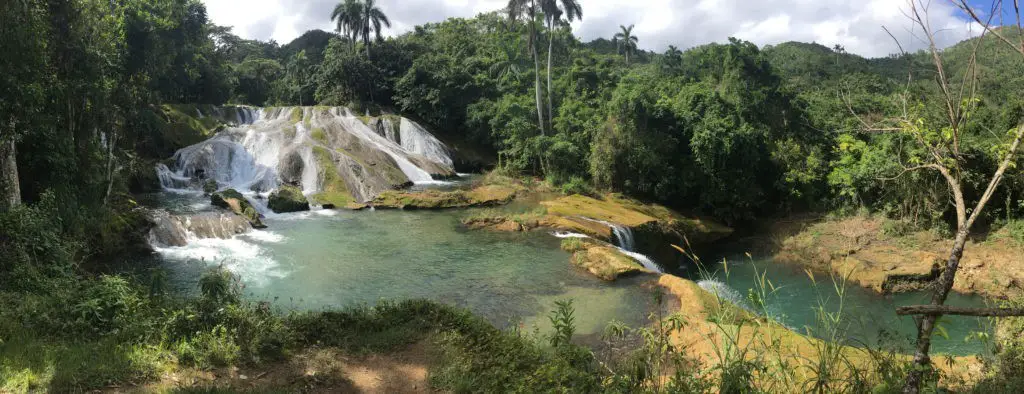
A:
854, 24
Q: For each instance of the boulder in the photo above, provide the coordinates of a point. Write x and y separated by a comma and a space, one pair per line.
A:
237, 203
287, 198
600, 259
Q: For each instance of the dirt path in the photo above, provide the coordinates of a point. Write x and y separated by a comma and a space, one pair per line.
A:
314, 370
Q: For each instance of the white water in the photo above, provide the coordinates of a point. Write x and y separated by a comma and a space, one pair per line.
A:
356, 126
415, 139
568, 234
724, 292
624, 242
242, 255
266, 148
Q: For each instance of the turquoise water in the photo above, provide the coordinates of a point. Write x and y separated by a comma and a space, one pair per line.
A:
327, 258
867, 318
322, 259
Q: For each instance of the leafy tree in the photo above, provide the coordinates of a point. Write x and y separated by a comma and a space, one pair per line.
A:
626, 41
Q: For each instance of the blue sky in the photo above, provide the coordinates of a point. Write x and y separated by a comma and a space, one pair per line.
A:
855, 24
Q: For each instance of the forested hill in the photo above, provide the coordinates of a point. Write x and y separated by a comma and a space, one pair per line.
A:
727, 129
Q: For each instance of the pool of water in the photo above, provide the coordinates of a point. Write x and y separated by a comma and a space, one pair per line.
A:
867, 317
333, 258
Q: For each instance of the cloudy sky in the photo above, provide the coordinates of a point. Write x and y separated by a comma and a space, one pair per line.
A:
855, 24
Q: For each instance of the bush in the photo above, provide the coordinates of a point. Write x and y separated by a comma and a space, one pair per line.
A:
208, 349
578, 185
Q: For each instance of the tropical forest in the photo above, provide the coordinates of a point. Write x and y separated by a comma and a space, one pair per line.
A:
494, 203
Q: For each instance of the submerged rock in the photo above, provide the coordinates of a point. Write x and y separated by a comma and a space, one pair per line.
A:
237, 203
287, 198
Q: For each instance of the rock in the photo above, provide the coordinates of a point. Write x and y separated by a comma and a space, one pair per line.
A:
601, 260
233, 200
287, 198
484, 196
210, 186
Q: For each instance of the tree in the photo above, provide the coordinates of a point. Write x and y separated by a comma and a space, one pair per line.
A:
672, 60
373, 19
626, 41
347, 16
553, 15
517, 8
298, 71
939, 147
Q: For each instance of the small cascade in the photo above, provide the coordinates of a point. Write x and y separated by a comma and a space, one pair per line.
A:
176, 230
723, 291
623, 237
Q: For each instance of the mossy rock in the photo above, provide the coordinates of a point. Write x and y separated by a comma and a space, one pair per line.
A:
485, 196
600, 259
210, 186
233, 200
287, 198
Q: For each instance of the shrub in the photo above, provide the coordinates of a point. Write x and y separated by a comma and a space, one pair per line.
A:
208, 349
578, 185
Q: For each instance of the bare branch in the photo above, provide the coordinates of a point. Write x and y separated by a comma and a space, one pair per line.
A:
938, 310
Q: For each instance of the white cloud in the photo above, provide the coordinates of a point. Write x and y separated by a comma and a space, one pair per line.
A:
855, 24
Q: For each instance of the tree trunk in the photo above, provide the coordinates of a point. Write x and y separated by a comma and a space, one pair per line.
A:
536, 78
551, 44
10, 189
926, 324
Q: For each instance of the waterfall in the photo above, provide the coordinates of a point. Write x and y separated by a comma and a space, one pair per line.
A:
270, 147
414, 138
623, 237
361, 130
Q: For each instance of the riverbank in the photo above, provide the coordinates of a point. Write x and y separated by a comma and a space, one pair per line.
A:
887, 258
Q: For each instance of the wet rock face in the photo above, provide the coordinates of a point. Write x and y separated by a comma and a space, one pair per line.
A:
287, 198
319, 149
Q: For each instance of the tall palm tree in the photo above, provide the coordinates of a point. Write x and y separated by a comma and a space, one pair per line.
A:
373, 19
529, 8
553, 14
626, 41
672, 59
347, 16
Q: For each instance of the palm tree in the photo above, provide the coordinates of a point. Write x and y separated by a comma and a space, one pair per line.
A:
517, 8
372, 20
509, 63
347, 16
626, 41
553, 14
673, 59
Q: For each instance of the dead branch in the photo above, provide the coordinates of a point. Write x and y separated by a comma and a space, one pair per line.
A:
938, 310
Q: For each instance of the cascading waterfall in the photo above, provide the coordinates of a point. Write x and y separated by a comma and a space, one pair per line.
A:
414, 138
624, 242
275, 146
361, 130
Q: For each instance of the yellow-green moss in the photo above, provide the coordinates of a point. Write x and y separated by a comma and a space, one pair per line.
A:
296, 115
333, 191
318, 134
433, 199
